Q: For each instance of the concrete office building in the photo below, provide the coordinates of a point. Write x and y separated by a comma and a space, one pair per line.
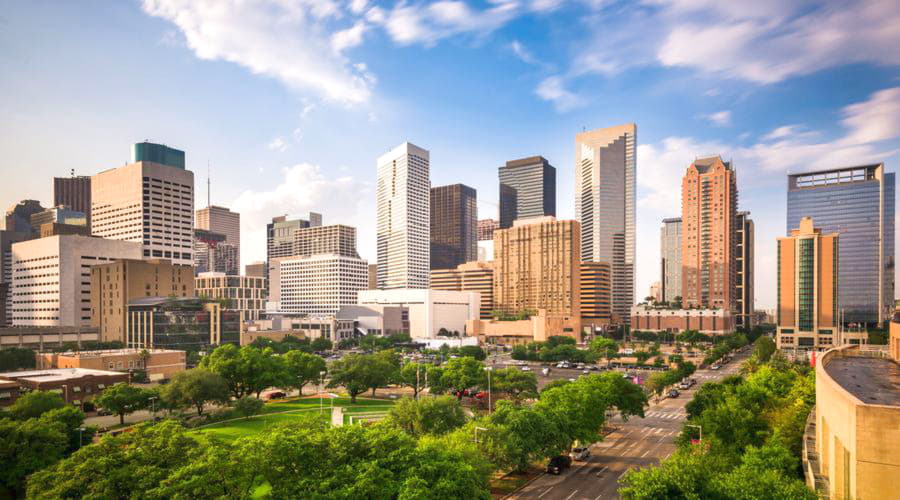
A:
808, 284
670, 251
605, 172
223, 221
486, 229
485, 251
743, 278
256, 270
316, 285
858, 204
247, 294
280, 234
75, 193
57, 215
428, 310
527, 189
7, 238
115, 284
472, 276
403, 202
300, 326
454, 232
213, 254
18, 217
335, 239
147, 202
377, 319
596, 294
51, 277
373, 277
42, 337
537, 266
709, 201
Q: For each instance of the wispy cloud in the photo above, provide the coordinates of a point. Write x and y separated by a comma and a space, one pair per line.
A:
522, 53
277, 144
553, 89
719, 118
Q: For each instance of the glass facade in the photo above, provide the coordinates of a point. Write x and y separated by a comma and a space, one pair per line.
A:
186, 324
806, 284
527, 189
157, 153
858, 204
454, 218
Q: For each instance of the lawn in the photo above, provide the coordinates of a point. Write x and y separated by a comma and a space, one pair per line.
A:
286, 411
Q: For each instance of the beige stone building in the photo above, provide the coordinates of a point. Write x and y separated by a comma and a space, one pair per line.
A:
709, 200
469, 277
159, 363
536, 328
117, 283
537, 266
659, 319
596, 294
243, 293
807, 307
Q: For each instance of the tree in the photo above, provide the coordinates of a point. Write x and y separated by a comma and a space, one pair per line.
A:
446, 467
463, 373
473, 351
248, 406
414, 375
34, 404
26, 447
196, 387
219, 471
516, 436
301, 368
16, 358
355, 373
516, 383
247, 370
144, 356
764, 348
321, 344
123, 399
71, 419
225, 361
607, 348
438, 415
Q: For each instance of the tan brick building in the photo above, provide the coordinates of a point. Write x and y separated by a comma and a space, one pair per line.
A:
537, 266
807, 308
706, 321
115, 284
469, 277
708, 217
596, 293
159, 363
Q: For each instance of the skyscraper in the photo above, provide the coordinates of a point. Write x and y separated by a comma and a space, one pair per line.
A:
222, 220
147, 202
807, 313
486, 229
75, 193
403, 199
454, 216
280, 234
527, 189
743, 277
213, 254
670, 252
336, 239
18, 217
858, 204
709, 217
605, 169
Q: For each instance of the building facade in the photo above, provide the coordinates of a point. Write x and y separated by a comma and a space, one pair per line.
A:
473, 276
247, 294
158, 363
709, 217
670, 251
7, 238
486, 229
335, 239
256, 270
18, 216
74, 385
223, 221
454, 232
51, 278
428, 311
527, 189
115, 284
181, 323
403, 198
213, 254
537, 266
75, 193
316, 285
596, 294
743, 277
148, 203
706, 321
858, 204
280, 234
57, 215
605, 170
808, 287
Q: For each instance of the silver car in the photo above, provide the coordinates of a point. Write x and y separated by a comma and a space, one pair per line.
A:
580, 453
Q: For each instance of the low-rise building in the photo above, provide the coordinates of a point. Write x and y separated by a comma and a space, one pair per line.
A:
302, 327
75, 385
158, 363
537, 328
247, 294
42, 337
377, 319
429, 310
706, 321
181, 323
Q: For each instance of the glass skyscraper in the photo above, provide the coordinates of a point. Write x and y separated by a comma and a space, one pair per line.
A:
858, 204
527, 189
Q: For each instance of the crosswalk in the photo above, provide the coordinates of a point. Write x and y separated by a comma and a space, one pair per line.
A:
666, 415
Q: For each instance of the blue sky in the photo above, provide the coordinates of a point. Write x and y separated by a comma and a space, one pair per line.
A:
291, 101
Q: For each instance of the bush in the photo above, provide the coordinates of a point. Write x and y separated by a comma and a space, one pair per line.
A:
248, 406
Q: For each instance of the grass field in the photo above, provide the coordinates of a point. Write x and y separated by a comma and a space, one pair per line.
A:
287, 410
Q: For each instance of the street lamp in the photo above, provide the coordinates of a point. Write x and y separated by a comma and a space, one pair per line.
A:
489, 370
153, 406
321, 381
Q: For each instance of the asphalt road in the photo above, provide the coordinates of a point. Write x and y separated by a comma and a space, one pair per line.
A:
640, 442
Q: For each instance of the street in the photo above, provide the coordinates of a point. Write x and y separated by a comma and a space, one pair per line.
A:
637, 443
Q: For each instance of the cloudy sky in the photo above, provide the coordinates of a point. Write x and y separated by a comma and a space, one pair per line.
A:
290, 101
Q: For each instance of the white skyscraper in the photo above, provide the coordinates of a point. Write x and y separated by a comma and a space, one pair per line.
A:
403, 196
605, 167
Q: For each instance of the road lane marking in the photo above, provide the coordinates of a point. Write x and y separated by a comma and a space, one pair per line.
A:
572, 495
544, 493
645, 453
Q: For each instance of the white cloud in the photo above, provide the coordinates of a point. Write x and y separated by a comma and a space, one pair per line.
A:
348, 38
719, 118
287, 40
553, 89
297, 134
876, 119
358, 6
781, 132
427, 23
522, 53
302, 189
278, 144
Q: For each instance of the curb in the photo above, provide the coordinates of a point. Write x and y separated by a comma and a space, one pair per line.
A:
520, 488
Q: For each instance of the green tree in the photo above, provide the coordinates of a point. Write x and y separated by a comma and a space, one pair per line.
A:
607, 348
463, 373
16, 358
446, 468
516, 436
27, 447
438, 415
196, 388
218, 471
123, 399
516, 383
35, 403
225, 361
764, 348
302, 368
321, 344
414, 375
555, 340
71, 419
248, 406
356, 373
473, 351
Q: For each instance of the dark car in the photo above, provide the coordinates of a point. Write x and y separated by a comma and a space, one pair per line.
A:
277, 395
558, 464
674, 393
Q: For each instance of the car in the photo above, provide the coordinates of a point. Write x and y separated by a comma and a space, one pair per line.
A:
594, 368
545, 371
580, 453
673, 393
103, 413
277, 395
571, 380
586, 372
560, 365
558, 464
714, 367
526, 368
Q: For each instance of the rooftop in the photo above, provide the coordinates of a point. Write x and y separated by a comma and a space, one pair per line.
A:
110, 352
55, 374
871, 380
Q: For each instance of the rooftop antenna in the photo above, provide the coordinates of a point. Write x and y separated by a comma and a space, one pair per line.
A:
73, 172
208, 185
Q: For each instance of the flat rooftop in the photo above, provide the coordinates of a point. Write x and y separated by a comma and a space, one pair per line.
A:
108, 352
55, 374
873, 381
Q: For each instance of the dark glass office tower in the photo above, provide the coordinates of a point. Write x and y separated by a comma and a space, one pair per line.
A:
858, 204
527, 189
75, 193
454, 226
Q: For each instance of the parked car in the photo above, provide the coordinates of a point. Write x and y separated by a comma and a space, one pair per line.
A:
558, 464
277, 395
545, 372
673, 393
526, 368
586, 372
593, 368
580, 453
714, 367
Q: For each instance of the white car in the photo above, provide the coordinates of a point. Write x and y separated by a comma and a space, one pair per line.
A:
580, 453
526, 368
